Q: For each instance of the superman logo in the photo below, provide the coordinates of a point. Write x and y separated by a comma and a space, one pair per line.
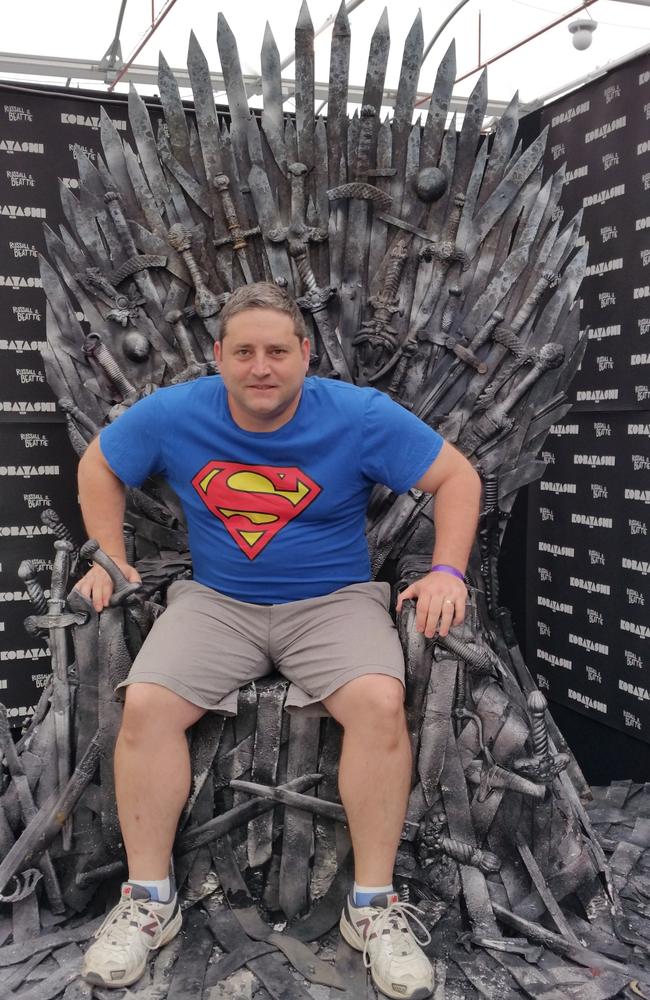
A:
254, 502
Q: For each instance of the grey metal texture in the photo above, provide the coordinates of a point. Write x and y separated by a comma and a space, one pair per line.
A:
427, 264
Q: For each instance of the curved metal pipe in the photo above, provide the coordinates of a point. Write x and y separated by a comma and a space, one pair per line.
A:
442, 27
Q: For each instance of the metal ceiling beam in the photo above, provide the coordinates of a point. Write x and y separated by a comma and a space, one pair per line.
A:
16, 64
113, 55
156, 21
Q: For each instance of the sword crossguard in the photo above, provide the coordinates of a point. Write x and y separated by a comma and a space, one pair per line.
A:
467, 356
42, 623
315, 299
446, 252
542, 770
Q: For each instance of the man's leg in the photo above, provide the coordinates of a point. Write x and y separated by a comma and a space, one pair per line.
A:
374, 771
196, 650
152, 775
152, 782
343, 651
374, 781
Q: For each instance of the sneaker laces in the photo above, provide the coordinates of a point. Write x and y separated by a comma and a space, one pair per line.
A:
396, 917
121, 920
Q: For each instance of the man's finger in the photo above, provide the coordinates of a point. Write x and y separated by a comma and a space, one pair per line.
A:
405, 595
98, 597
84, 588
106, 590
437, 618
424, 611
459, 617
447, 615
96, 586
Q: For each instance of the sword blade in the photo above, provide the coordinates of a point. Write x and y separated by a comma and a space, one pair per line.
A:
175, 119
501, 149
305, 86
237, 99
272, 117
373, 90
506, 191
404, 104
338, 94
119, 175
146, 145
436, 120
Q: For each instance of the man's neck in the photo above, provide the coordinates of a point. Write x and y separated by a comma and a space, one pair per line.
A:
261, 425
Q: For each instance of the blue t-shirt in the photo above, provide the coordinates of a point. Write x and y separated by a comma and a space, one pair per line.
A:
273, 516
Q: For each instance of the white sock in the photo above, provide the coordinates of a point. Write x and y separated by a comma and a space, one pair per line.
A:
362, 894
160, 890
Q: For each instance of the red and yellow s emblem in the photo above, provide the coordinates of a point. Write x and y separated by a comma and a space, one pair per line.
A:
254, 501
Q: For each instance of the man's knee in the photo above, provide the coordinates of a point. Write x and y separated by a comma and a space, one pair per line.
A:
373, 701
151, 705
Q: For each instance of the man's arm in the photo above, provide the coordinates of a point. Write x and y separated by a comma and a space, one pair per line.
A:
440, 596
102, 500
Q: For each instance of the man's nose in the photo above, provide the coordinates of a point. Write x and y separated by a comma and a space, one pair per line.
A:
260, 363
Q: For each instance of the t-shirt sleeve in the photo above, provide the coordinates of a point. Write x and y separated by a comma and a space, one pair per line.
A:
397, 447
132, 444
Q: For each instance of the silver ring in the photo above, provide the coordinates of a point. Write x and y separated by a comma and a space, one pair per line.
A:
448, 601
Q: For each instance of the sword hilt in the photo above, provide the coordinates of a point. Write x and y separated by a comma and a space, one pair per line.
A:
60, 571
124, 592
27, 573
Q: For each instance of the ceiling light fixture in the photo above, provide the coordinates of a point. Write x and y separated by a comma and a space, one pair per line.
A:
582, 31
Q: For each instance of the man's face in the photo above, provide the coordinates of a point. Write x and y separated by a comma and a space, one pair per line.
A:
263, 365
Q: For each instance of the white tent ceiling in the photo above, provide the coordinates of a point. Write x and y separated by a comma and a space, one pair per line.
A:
65, 41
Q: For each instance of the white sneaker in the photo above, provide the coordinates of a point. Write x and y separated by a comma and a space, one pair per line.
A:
133, 929
398, 966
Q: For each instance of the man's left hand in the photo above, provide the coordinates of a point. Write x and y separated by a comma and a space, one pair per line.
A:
440, 602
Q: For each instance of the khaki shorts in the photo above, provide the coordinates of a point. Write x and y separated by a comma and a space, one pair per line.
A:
206, 645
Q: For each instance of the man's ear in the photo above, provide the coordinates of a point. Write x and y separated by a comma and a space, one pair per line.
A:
217, 352
306, 352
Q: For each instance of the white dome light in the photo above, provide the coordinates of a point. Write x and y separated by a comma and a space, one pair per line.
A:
582, 31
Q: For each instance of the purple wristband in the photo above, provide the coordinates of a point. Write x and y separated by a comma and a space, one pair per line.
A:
441, 568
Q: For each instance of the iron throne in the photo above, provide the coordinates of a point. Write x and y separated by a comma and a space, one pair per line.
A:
429, 263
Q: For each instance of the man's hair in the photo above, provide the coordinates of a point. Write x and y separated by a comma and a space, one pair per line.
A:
261, 295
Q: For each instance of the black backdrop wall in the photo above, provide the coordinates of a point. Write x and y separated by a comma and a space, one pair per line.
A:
41, 131
588, 579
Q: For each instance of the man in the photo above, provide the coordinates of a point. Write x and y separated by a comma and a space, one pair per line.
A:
274, 472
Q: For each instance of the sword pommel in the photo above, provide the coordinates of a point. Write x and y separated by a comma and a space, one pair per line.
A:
179, 238
430, 184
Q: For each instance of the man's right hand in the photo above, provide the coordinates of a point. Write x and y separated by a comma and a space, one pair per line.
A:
97, 586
